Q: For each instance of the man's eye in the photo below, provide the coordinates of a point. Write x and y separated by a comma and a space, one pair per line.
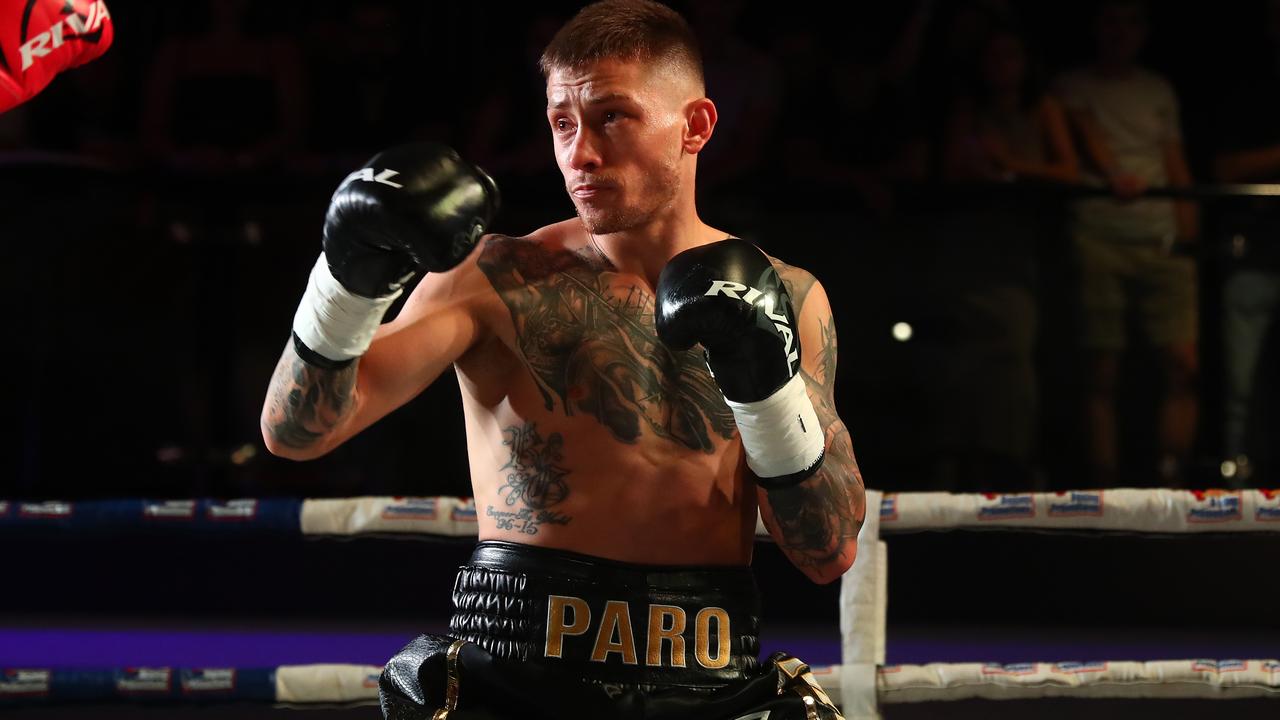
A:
562, 125
611, 116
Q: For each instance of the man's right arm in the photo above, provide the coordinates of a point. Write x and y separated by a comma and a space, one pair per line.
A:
310, 410
411, 209
305, 405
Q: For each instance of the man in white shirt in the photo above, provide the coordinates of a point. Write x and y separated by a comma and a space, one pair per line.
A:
1127, 117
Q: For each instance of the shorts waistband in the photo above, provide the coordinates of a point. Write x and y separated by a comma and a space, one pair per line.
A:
606, 620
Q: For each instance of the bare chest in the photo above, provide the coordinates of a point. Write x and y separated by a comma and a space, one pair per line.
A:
586, 338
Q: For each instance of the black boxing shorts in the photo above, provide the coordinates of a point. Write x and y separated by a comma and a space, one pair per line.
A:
540, 633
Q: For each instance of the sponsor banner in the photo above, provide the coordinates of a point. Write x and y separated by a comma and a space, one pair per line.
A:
411, 508
1010, 669
169, 509
232, 510
145, 681
1215, 506
464, 511
1219, 666
996, 506
16, 682
889, 507
1076, 668
1075, 504
206, 681
1268, 506
48, 510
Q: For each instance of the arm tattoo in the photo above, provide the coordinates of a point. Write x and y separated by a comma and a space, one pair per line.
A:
815, 519
534, 484
306, 401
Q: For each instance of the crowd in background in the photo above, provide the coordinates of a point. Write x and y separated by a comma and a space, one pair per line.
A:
978, 171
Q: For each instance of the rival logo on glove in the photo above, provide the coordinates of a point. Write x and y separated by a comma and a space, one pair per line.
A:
732, 289
367, 175
83, 28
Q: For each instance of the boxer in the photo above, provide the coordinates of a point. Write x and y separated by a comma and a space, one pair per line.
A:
635, 385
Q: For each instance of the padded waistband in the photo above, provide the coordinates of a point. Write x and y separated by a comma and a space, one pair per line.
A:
606, 620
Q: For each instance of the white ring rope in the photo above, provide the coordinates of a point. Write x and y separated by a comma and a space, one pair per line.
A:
1129, 510
1204, 679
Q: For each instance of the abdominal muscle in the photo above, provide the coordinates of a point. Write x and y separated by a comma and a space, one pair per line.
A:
542, 478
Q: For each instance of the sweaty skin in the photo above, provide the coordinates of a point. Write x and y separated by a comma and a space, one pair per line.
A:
584, 432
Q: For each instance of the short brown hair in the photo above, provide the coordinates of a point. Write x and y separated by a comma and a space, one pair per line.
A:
626, 30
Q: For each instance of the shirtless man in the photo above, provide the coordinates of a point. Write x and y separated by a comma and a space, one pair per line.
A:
616, 480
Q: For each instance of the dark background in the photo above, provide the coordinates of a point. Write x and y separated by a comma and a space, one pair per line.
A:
160, 226
158, 229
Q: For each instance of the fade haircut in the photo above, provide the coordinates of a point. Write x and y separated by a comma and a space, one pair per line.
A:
640, 30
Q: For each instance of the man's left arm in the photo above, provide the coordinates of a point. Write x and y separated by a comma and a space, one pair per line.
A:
816, 522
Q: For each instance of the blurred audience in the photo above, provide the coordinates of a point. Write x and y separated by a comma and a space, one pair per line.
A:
871, 134
1127, 118
1247, 143
1006, 127
244, 115
1002, 127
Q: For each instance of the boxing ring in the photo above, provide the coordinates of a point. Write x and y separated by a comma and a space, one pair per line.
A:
861, 683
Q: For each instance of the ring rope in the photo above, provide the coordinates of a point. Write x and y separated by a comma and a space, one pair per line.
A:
1157, 511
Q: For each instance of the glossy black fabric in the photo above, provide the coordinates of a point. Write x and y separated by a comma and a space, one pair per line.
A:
412, 688
503, 598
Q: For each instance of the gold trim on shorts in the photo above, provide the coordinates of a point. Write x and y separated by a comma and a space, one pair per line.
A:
455, 681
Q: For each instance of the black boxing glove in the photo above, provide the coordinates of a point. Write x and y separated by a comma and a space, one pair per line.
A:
410, 209
728, 297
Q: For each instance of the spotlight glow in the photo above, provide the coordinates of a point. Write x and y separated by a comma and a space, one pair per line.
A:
902, 331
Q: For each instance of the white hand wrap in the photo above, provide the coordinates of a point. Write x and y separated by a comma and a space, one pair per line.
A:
781, 434
333, 321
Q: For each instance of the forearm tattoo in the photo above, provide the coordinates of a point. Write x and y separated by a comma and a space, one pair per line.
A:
534, 482
306, 401
814, 521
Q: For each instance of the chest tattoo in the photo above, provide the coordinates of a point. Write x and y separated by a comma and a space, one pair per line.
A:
587, 336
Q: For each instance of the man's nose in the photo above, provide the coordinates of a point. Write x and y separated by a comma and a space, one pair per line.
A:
584, 153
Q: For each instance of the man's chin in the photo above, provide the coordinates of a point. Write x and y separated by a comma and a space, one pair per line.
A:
598, 223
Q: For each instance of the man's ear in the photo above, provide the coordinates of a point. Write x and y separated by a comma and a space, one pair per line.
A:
700, 122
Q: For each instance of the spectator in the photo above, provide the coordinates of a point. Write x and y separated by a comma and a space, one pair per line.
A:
1248, 151
874, 137
1008, 127
1004, 126
1127, 117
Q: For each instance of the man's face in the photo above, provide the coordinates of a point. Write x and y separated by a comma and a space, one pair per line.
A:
618, 128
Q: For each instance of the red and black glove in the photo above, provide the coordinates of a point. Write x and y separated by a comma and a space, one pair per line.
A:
41, 38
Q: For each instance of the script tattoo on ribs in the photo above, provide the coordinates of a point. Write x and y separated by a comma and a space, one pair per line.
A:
591, 345
308, 401
535, 482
